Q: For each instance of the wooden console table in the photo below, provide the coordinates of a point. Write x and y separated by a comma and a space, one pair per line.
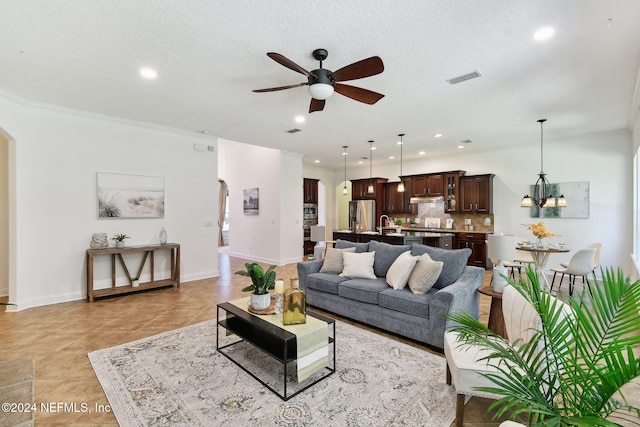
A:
149, 251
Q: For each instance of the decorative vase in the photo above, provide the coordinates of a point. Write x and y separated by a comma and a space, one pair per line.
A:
119, 243
99, 241
260, 302
163, 236
539, 243
295, 311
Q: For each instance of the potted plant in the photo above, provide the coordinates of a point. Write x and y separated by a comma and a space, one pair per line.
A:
135, 282
413, 223
398, 223
119, 238
262, 282
570, 372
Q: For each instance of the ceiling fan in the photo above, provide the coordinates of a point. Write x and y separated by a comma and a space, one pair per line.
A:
322, 82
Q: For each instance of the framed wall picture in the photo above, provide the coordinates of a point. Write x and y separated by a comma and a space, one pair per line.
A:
250, 201
130, 196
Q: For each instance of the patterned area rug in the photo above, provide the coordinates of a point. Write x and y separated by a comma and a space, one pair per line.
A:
178, 379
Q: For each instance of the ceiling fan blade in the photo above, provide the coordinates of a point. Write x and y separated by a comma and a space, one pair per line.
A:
358, 70
359, 94
316, 105
288, 63
273, 89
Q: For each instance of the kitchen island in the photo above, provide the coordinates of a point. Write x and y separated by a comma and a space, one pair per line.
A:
440, 240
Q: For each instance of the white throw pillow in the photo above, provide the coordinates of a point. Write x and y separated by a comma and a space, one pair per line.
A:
333, 260
424, 274
358, 265
399, 272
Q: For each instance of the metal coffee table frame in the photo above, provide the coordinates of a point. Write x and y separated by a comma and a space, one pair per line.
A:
272, 340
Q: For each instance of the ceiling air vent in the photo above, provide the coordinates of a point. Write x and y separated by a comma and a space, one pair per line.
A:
294, 130
460, 79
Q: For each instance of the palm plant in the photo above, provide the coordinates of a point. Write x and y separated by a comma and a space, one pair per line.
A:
572, 370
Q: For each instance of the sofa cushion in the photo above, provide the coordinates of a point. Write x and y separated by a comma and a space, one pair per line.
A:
363, 290
332, 262
360, 247
424, 274
358, 266
325, 282
405, 302
454, 262
400, 270
386, 254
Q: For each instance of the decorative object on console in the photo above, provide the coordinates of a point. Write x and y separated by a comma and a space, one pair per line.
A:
99, 241
163, 236
251, 201
401, 184
119, 239
542, 192
135, 282
262, 283
130, 196
501, 248
344, 153
295, 309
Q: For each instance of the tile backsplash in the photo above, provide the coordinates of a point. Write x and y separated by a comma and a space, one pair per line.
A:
436, 210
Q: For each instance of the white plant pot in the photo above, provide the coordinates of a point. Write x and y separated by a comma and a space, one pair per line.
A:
260, 302
135, 283
119, 243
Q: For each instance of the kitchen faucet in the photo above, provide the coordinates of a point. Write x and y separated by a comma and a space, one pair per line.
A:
382, 216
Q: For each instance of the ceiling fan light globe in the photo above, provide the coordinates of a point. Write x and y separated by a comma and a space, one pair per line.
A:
320, 91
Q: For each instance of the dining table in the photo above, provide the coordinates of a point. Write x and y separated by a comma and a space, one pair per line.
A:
540, 257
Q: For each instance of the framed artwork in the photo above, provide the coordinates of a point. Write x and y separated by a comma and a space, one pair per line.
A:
577, 196
250, 201
130, 196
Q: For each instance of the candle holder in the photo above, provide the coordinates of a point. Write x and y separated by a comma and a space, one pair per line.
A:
278, 291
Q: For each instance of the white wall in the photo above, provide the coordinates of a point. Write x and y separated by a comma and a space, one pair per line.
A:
57, 155
602, 159
4, 216
275, 235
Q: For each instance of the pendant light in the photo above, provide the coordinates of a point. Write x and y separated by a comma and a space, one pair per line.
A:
344, 153
541, 196
401, 184
371, 189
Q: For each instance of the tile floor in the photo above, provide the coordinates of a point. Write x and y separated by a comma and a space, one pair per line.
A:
58, 338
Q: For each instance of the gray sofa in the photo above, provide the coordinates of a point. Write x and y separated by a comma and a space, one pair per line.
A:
374, 302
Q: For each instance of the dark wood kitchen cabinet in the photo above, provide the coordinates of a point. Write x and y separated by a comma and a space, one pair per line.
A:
476, 194
360, 189
452, 191
427, 185
477, 243
310, 187
395, 202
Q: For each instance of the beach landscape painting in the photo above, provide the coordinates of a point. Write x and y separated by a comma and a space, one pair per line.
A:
250, 201
130, 196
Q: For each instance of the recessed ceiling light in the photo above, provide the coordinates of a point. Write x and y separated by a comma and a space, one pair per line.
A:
300, 119
360, 162
460, 146
391, 157
422, 153
316, 161
437, 135
148, 73
543, 33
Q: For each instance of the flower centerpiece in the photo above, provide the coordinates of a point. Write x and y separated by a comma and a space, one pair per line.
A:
540, 231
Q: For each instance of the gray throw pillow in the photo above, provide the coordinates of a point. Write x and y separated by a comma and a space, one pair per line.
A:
454, 262
360, 247
424, 274
386, 254
332, 262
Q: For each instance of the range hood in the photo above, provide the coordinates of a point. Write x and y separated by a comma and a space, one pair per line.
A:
426, 199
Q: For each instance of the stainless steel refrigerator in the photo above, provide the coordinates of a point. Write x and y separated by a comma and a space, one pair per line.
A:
362, 215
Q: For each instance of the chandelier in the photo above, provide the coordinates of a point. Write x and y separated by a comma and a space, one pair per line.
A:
541, 190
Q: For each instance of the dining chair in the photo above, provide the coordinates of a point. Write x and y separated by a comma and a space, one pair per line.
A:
466, 364
581, 264
596, 263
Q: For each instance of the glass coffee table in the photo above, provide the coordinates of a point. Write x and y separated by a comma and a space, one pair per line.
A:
247, 332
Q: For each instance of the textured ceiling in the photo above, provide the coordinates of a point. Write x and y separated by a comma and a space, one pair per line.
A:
210, 54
